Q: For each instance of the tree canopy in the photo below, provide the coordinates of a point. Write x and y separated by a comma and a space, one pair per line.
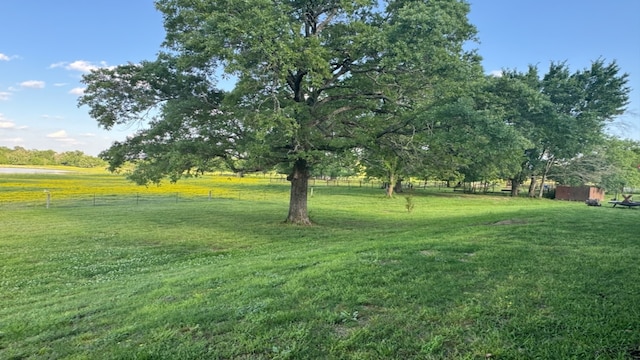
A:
314, 78
561, 114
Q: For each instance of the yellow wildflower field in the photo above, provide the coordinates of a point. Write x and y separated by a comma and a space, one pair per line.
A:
89, 184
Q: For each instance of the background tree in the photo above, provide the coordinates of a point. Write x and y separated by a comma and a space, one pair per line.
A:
562, 114
584, 102
313, 77
392, 158
486, 147
513, 106
78, 159
4, 153
337, 165
21, 156
619, 166
587, 169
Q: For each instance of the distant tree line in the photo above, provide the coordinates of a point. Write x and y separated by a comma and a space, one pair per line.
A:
21, 156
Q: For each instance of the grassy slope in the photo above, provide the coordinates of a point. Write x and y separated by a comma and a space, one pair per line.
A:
226, 279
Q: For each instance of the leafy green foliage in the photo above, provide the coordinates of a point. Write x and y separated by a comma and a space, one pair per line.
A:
313, 79
185, 127
410, 205
561, 114
612, 165
21, 156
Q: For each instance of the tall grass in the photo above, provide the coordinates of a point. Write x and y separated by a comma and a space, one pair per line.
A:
458, 277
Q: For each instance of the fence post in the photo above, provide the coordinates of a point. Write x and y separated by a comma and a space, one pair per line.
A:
210, 191
48, 197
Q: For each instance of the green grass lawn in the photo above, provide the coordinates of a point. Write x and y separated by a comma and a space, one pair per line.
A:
459, 277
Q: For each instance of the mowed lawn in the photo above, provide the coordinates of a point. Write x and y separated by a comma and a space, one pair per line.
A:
459, 277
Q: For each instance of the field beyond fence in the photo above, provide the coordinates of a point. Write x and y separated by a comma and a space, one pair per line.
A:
82, 187
92, 188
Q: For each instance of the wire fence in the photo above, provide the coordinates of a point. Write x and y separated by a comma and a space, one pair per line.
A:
276, 190
270, 188
53, 200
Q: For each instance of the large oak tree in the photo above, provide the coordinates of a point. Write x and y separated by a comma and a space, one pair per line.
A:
313, 77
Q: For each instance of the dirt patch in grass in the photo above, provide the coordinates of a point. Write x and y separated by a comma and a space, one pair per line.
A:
342, 331
428, 252
467, 257
510, 222
349, 322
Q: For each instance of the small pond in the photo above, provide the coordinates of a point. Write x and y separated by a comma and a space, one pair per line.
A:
11, 170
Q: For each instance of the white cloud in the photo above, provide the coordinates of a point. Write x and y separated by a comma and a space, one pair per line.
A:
80, 65
4, 96
7, 125
58, 64
56, 117
33, 84
88, 135
58, 135
496, 73
77, 91
4, 57
61, 136
60, 84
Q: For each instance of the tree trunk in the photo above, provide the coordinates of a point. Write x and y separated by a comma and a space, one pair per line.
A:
547, 168
299, 178
541, 190
392, 180
515, 187
532, 187
398, 186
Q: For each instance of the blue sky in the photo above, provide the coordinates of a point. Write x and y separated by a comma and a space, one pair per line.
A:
46, 46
